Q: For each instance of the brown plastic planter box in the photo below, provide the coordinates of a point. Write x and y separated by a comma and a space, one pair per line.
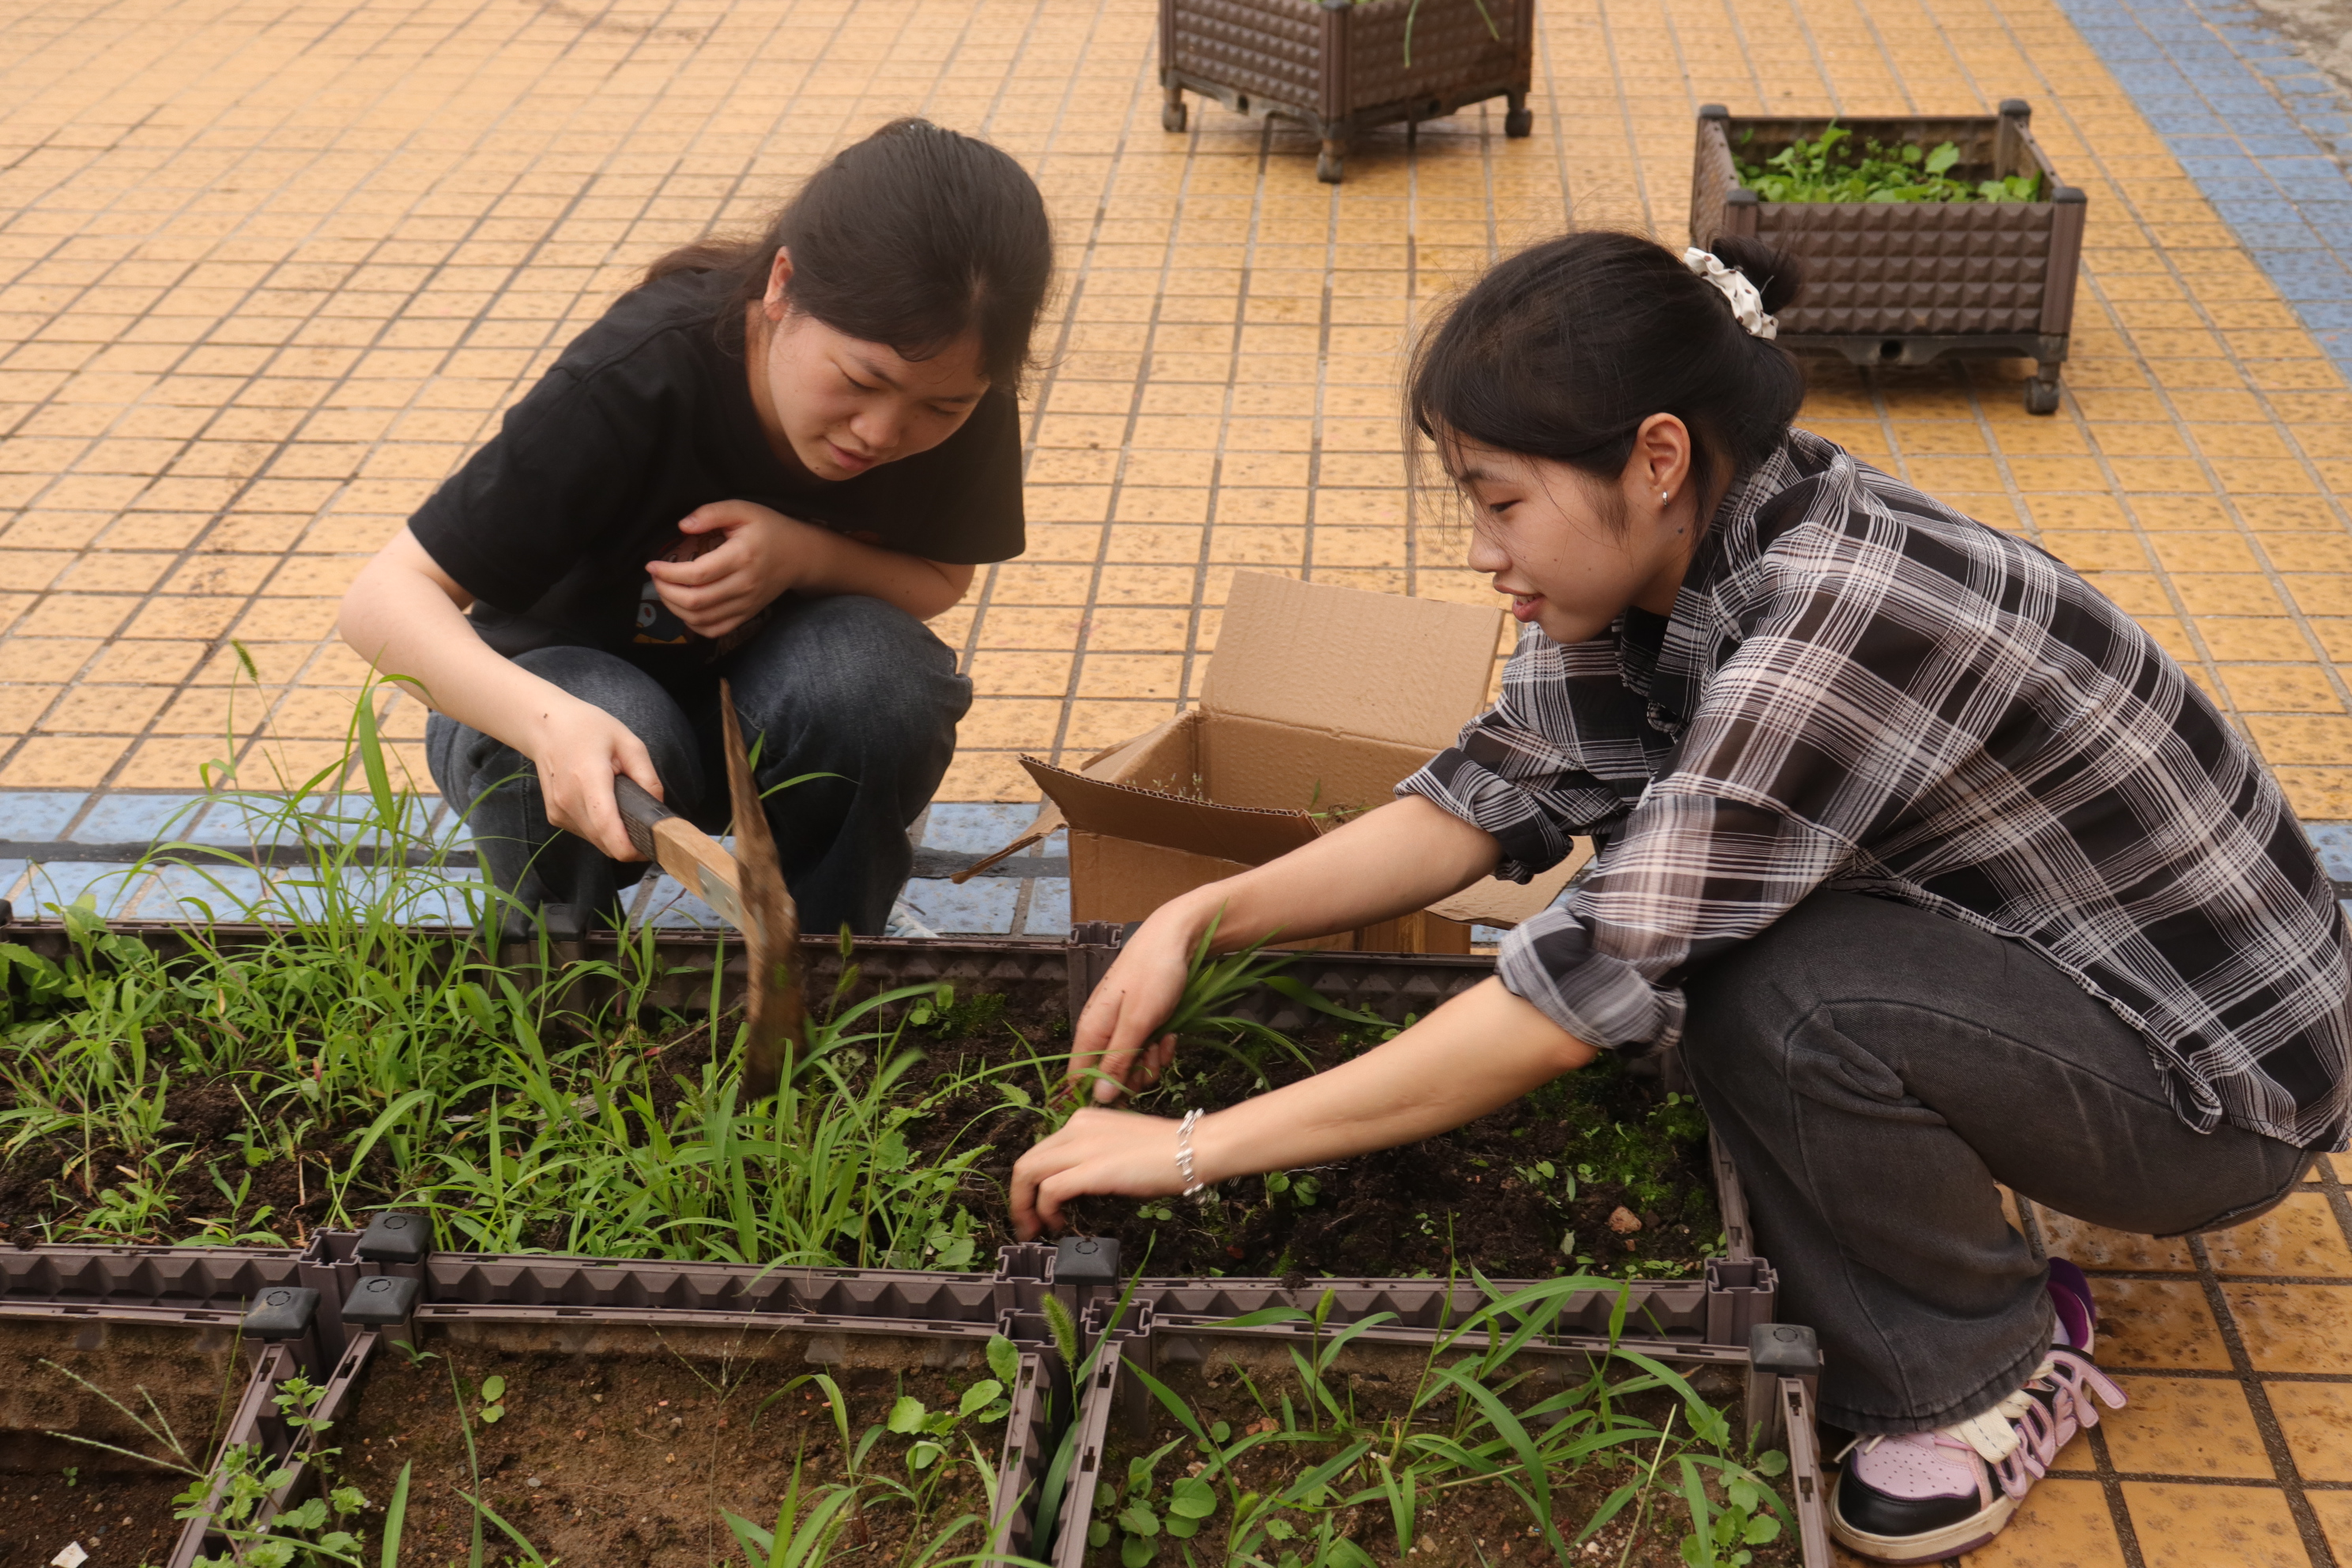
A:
1778, 1368
368, 1293
1026, 1450
1340, 67
1910, 282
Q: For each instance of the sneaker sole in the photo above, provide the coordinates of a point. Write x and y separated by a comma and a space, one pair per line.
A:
1934, 1546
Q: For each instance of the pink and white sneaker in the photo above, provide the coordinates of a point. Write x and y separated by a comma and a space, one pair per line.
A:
1922, 1497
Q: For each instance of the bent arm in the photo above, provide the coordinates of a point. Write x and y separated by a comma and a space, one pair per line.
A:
921, 586
1403, 857
405, 615
1474, 1055
1390, 861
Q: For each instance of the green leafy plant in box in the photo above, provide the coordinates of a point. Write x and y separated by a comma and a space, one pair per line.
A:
1830, 168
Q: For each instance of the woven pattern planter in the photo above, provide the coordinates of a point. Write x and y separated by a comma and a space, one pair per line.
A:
1910, 282
1338, 67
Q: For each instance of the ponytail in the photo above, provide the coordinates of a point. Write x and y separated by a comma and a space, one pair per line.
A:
1563, 350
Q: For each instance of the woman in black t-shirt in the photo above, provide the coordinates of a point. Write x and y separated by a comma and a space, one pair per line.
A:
772, 461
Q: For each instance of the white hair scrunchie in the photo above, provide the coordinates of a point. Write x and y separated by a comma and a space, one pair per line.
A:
1746, 304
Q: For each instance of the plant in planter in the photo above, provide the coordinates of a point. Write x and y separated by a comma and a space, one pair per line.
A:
1369, 1445
1904, 263
254, 1091
1340, 67
663, 1447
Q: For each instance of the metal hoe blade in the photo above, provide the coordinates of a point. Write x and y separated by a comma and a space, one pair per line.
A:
771, 925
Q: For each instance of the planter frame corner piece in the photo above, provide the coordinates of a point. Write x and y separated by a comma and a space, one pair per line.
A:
1343, 67
1910, 282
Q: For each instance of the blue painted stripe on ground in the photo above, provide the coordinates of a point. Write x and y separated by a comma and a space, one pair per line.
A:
2257, 128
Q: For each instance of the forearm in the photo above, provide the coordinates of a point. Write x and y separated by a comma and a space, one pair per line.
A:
839, 564
398, 619
1403, 857
1474, 1055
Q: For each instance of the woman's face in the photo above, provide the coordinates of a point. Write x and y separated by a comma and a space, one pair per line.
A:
1572, 550
842, 405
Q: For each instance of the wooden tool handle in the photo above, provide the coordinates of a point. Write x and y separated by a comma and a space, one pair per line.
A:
640, 813
680, 849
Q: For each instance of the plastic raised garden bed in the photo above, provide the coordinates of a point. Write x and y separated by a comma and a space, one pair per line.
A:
1910, 282
1170, 1406
1341, 67
329, 1312
628, 1407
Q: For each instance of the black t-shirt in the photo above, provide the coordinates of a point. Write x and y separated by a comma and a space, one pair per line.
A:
646, 416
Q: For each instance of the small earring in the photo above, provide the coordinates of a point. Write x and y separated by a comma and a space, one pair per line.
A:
1665, 495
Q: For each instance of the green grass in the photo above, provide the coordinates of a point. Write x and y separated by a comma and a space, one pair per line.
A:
368, 1062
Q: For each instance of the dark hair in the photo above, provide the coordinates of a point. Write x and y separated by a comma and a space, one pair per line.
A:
1561, 350
913, 238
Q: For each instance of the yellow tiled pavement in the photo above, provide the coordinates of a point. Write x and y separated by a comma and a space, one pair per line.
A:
267, 275
269, 278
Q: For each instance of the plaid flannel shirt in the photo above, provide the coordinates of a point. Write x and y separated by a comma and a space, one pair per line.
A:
1860, 689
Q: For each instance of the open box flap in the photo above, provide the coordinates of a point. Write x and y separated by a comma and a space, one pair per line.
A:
1349, 662
1049, 819
1242, 834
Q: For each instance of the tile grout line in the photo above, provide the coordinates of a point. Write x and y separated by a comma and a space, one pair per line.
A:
192, 550
1332, 196
1134, 413
2257, 1397
1205, 555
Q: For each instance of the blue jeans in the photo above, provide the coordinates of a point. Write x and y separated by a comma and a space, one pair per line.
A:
845, 685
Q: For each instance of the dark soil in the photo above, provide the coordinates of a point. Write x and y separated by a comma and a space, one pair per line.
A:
625, 1450
117, 1508
1452, 1203
286, 1198
1464, 1526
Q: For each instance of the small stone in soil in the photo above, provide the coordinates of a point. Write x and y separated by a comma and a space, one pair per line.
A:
1624, 1221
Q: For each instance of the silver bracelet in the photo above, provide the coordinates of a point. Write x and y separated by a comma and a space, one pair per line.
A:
1184, 1153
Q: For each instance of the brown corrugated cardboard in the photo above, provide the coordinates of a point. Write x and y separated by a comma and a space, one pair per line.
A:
1318, 700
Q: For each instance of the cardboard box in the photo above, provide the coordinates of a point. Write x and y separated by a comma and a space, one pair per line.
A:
1318, 701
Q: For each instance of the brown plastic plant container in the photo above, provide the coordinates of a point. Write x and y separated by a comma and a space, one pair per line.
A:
333, 1332
1341, 67
1775, 1374
1910, 282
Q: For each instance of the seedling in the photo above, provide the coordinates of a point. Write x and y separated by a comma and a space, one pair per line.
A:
1828, 169
493, 1406
319, 1531
1471, 1421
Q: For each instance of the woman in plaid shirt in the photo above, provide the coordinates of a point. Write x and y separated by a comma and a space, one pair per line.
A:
1938, 872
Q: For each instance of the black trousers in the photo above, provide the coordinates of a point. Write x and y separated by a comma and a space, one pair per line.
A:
1876, 1071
